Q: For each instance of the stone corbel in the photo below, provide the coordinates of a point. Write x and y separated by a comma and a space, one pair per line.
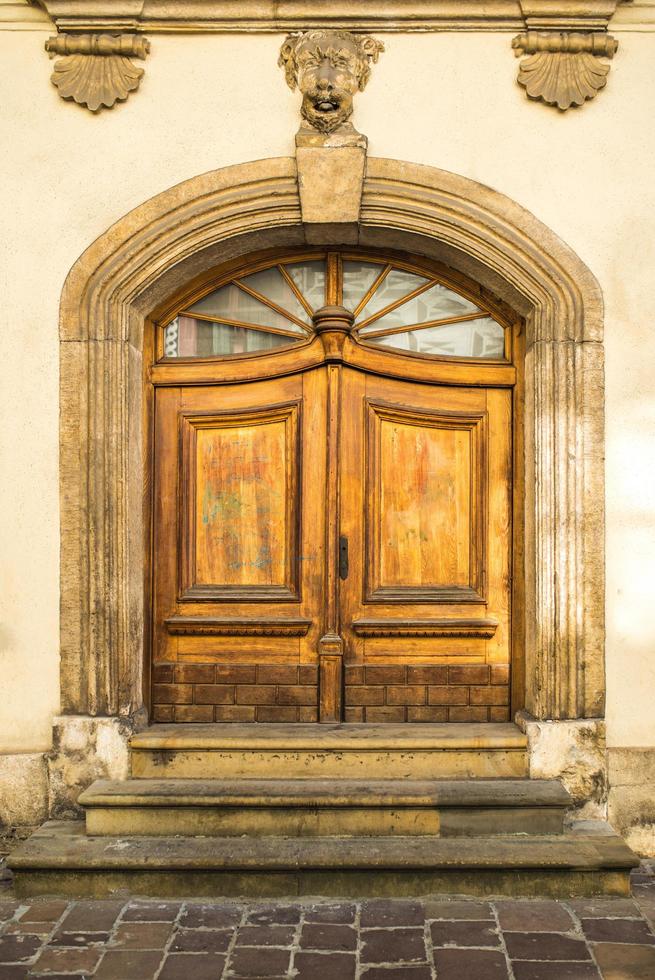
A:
563, 69
564, 45
95, 70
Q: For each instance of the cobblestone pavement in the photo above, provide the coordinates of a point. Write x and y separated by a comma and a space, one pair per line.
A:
428, 939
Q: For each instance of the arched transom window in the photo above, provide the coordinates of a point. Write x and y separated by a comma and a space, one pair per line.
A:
396, 306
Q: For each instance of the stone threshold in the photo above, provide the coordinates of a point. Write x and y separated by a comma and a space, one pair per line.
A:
450, 736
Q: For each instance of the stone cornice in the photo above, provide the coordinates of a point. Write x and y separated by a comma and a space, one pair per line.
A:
165, 16
568, 15
562, 42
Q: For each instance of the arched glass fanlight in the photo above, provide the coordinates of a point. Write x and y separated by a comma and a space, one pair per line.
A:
395, 308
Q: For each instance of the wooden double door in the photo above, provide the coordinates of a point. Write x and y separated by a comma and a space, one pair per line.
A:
331, 545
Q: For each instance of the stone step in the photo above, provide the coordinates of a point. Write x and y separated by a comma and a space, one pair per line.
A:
413, 751
324, 807
59, 859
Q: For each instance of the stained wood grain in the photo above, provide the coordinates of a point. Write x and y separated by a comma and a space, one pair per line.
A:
262, 464
242, 476
239, 521
425, 503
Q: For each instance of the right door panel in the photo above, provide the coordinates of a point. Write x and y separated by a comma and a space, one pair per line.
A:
426, 509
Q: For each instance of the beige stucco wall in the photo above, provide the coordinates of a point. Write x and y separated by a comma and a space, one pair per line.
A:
446, 100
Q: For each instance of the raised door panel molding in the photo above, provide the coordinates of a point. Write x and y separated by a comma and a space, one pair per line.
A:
436, 525
481, 629
240, 505
236, 626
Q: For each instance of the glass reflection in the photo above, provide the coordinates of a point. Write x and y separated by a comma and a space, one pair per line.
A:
393, 287
475, 338
436, 303
358, 277
231, 303
272, 284
188, 337
309, 279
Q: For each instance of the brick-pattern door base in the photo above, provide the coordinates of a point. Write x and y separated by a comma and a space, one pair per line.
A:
414, 693
289, 693
235, 692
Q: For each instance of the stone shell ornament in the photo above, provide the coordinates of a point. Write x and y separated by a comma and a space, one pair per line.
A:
563, 70
95, 70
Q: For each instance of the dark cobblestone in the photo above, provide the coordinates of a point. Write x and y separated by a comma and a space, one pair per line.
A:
468, 933
142, 935
187, 966
439, 938
483, 964
266, 935
328, 936
210, 916
393, 946
280, 915
534, 916
344, 914
327, 966
152, 912
201, 941
545, 946
389, 913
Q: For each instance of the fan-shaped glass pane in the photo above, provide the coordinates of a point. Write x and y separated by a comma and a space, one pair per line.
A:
309, 279
231, 303
272, 285
358, 277
188, 337
472, 338
436, 303
273, 308
392, 288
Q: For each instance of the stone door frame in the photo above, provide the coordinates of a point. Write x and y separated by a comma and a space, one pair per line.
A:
146, 256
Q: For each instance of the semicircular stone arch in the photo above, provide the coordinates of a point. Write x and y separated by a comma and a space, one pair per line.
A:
150, 253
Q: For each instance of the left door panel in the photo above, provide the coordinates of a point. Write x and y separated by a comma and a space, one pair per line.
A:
238, 560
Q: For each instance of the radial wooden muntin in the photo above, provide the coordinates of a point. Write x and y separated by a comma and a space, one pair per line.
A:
304, 350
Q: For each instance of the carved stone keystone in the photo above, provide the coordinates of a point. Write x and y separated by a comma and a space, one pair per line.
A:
329, 67
330, 182
95, 69
563, 68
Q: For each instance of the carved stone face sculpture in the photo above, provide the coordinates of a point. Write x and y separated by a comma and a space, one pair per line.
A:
328, 67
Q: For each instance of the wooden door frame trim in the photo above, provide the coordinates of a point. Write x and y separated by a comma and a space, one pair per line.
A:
146, 258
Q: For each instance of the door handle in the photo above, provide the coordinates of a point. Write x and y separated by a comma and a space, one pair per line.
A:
343, 557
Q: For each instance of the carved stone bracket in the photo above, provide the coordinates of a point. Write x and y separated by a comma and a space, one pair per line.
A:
95, 69
563, 69
564, 43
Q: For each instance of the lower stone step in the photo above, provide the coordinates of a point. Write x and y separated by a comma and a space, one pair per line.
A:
59, 859
348, 751
324, 807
